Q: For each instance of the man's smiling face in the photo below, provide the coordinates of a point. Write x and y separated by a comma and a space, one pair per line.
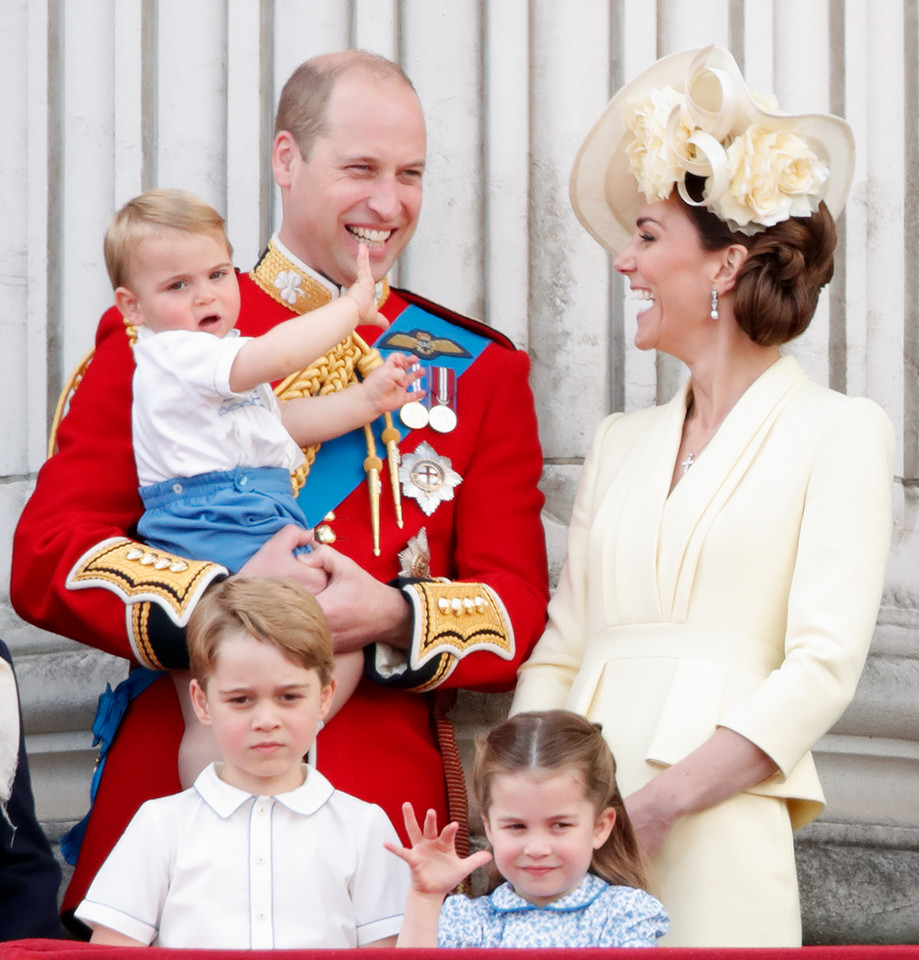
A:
361, 182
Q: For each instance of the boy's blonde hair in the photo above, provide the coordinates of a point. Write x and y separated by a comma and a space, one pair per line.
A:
279, 612
150, 214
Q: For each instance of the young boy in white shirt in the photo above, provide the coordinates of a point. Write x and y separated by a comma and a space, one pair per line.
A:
214, 449
262, 852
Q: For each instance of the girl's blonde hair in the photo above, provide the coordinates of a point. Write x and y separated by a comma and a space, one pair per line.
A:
555, 741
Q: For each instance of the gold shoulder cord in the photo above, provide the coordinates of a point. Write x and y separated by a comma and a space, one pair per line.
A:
347, 363
70, 388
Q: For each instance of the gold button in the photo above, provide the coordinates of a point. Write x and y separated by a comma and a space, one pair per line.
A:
324, 534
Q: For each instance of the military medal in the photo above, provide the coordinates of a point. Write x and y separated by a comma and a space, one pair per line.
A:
427, 477
415, 559
442, 415
414, 414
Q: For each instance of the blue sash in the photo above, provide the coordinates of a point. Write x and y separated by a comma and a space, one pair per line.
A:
339, 468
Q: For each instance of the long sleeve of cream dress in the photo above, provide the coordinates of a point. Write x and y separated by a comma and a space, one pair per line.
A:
747, 599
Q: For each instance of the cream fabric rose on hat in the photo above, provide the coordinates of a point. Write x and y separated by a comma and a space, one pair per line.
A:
692, 113
775, 175
653, 159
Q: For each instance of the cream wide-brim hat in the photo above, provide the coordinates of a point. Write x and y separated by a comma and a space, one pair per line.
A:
604, 192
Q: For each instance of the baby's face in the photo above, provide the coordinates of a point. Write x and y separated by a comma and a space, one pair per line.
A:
182, 281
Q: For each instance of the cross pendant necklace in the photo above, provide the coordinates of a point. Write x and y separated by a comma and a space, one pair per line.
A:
691, 456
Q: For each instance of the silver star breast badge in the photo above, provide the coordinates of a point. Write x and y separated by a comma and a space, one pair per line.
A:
427, 477
415, 559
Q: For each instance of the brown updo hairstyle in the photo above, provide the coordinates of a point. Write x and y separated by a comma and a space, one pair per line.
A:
550, 742
776, 291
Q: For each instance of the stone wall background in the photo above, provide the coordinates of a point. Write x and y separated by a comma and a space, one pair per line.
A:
105, 98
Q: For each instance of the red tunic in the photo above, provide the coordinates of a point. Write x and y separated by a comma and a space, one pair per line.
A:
384, 745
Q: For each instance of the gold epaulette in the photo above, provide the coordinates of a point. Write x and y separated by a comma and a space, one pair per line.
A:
70, 388
63, 401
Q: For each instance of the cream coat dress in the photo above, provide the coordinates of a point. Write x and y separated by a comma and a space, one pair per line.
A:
746, 598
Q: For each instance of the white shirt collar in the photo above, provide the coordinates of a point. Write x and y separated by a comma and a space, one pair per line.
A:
145, 333
225, 799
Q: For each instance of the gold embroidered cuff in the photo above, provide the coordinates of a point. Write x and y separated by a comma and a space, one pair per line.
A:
453, 618
141, 576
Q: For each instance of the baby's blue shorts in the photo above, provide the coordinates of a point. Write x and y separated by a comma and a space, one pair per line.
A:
224, 516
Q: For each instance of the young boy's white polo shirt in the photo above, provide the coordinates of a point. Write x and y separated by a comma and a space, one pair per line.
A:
185, 419
216, 867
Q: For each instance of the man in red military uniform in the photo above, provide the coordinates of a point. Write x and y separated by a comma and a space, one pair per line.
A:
438, 568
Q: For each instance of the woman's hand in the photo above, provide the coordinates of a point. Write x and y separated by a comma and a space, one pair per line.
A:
727, 763
651, 818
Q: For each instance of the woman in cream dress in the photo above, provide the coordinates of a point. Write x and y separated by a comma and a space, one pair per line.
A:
727, 550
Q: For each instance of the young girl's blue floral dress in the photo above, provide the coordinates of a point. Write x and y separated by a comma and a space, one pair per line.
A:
596, 914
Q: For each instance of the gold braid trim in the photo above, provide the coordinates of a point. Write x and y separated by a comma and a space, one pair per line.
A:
289, 285
141, 576
63, 400
139, 614
70, 388
131, 331
445, 667
329, 374
453, 618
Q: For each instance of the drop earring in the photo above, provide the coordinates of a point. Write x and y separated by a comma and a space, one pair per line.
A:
714, 311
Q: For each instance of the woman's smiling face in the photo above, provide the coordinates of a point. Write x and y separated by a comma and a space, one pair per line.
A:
667, 266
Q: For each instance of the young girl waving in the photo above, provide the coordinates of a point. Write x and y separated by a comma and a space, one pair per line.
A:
562, 842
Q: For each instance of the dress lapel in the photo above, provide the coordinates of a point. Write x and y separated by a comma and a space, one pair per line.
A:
630, 516
697, 499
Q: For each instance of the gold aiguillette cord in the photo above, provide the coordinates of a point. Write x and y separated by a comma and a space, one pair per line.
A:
370, 359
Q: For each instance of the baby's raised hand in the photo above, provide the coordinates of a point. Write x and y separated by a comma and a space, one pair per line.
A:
435, 865
362, 291
387, 385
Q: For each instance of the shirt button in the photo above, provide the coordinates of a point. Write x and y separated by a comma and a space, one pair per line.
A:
177, 488
243, 480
